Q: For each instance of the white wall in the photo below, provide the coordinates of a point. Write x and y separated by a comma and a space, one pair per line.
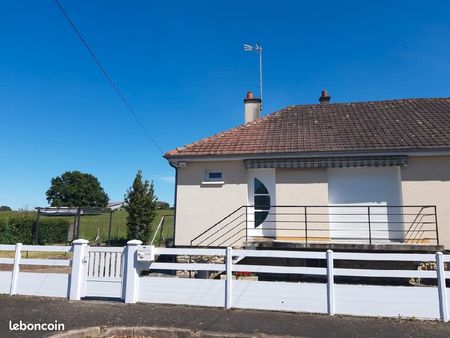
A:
302, 187
426, 180
201, 206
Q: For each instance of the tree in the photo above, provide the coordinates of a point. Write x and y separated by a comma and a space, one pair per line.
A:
140, 203
5, 208
76, 189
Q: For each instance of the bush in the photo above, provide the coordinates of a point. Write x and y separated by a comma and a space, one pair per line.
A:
21, 228
4, 233
53, 231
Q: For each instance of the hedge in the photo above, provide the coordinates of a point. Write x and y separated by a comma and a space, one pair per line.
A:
4, 234
53, 230
21, 227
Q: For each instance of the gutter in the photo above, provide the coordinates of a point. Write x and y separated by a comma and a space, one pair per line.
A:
175, 200
202, 158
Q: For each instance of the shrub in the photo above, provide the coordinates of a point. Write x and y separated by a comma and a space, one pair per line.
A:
20, 228
53, 231
4, 233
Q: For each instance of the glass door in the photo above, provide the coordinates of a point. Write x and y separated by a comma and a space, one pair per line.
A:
261, 201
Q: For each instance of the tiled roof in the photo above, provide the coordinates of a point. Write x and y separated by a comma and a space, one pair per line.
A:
394, 125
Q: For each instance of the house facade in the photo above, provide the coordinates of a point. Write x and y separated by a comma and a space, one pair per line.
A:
375, 173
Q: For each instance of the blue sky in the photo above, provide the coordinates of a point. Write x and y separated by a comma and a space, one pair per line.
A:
182, 68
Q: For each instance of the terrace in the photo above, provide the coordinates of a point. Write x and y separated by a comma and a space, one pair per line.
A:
381, 227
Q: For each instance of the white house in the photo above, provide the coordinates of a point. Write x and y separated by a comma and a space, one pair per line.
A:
372, 173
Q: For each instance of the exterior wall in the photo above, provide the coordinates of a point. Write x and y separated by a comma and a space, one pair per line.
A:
201, 206
302, 187
426, 181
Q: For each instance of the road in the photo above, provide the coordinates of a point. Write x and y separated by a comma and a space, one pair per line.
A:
88, 313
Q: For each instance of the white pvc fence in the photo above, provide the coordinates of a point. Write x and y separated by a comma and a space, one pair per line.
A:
34, 283
115, 272
104, 272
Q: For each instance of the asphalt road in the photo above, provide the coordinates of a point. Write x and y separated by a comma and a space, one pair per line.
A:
83, 314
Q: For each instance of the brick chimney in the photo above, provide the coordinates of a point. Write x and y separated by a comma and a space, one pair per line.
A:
252, 107
324, 98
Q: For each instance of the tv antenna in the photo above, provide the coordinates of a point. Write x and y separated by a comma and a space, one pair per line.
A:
257, 48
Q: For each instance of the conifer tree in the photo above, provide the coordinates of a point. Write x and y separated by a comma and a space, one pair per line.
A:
140, 204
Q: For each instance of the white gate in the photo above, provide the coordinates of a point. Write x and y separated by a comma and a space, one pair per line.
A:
104, 272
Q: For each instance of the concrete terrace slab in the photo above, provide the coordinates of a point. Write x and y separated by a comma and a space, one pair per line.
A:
84, 314
296, 245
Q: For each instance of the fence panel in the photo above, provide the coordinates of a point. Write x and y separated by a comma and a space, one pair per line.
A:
114, 272
50, 282
321, 297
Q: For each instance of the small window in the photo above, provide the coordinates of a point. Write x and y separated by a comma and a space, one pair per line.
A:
213, 176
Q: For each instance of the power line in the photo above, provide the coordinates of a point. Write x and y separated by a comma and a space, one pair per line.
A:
108, 77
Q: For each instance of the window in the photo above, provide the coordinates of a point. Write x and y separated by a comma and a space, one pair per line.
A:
213, 176
261, 201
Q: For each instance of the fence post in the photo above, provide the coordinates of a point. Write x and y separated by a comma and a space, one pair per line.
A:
16, 268
440, 269
229, 273
131, 272
78, 275
330, 284
246, 223
306, 225
437, 227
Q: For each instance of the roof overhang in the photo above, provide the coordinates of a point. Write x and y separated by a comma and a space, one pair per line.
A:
204, 158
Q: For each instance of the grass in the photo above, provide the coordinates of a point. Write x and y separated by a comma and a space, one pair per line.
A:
37, 254
90, 225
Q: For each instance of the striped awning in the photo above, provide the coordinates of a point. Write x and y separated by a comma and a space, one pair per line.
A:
327, 162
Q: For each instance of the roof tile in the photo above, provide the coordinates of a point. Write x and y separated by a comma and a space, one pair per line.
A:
406, 124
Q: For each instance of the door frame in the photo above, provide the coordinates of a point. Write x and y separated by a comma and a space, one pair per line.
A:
268, 178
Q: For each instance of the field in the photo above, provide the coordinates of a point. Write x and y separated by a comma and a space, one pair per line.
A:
91, 225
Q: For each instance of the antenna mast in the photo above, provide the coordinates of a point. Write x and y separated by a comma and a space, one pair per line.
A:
258, 49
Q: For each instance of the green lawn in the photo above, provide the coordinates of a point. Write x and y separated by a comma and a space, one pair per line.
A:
91, 224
